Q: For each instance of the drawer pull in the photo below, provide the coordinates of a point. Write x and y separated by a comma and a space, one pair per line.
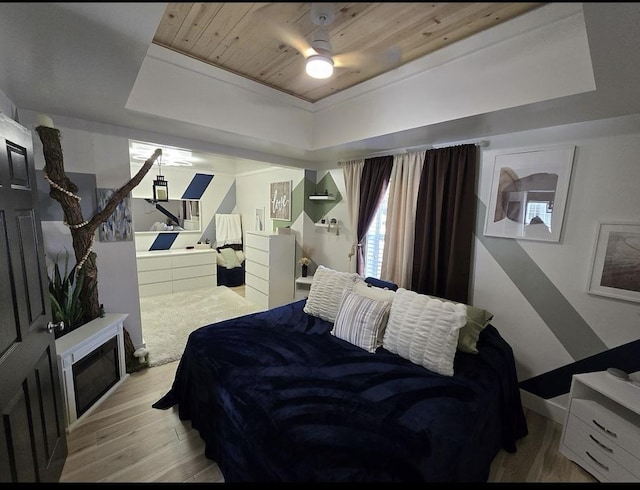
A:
600, 444
604, 467
607, 431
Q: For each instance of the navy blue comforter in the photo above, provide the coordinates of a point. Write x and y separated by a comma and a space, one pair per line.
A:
276, 397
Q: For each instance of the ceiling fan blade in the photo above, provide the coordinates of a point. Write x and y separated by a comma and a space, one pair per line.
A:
290, 36
386, 59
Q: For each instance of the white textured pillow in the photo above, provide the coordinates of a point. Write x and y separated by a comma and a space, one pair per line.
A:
424, 330
360, 320
230, 258
325, 293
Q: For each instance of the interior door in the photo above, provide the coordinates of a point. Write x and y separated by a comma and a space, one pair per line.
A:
33, 445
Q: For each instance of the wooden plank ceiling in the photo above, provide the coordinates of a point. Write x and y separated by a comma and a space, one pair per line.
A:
263, 41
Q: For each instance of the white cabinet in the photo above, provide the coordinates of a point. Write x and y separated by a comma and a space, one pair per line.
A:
601, 432
269, 269
170, 271
76, 346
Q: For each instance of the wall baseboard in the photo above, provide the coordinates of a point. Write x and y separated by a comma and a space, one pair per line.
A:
554, 409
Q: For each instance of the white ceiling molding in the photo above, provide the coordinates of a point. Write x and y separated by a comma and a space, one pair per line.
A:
539, 56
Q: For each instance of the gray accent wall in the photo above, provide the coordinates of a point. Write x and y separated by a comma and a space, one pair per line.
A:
571, 330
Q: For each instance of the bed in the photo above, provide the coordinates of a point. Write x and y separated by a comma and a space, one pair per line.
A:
279, 396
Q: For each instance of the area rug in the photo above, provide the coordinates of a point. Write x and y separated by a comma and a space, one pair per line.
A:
167, 319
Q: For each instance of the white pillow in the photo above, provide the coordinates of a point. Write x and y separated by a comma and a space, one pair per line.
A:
424, 330
325, 293
230, 258
360, 320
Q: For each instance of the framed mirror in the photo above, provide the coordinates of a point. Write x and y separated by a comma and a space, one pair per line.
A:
173, 215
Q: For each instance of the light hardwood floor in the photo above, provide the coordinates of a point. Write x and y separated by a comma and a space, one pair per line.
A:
124, 439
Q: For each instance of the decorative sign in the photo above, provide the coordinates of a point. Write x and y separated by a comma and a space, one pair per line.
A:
280, 203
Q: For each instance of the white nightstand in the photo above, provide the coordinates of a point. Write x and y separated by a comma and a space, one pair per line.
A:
303, 284
601, 431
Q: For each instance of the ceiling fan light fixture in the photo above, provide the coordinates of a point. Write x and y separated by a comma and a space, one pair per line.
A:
319, 66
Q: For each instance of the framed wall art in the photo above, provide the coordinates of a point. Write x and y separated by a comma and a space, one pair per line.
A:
615, 268
280, 201
117, 227
528, 194
259, 219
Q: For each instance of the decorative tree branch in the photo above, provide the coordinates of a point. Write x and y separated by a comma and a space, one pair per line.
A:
65, 191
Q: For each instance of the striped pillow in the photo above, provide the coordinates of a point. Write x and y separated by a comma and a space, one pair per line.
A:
360, 320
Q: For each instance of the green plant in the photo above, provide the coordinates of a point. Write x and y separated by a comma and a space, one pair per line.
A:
64, 292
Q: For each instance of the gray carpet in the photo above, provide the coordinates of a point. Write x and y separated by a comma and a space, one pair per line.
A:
167, 319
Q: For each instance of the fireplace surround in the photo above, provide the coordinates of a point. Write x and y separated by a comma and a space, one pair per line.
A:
91, 364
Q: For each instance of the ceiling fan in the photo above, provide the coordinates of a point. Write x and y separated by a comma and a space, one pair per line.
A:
319, 57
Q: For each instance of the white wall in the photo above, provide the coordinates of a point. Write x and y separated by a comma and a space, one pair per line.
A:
252, 192
603, 187
7, 106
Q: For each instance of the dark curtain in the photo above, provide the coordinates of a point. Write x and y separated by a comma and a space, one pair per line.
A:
373, 184
446, 211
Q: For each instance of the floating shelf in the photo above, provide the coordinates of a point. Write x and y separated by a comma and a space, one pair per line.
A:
322, 197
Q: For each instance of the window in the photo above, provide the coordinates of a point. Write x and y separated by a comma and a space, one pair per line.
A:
541, 209
374, 243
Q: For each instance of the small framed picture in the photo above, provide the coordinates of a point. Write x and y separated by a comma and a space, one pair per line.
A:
615, 268
259, 219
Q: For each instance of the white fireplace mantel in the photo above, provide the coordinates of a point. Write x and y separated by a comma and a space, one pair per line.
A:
72, 347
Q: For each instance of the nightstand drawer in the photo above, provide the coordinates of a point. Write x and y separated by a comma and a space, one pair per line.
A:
611, 426
582, 438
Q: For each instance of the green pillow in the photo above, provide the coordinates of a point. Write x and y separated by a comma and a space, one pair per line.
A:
477, 320
230, 257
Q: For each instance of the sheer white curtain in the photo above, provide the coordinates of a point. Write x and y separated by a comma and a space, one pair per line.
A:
397, 255
352, 171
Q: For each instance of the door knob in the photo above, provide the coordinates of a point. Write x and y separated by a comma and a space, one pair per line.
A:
52, 327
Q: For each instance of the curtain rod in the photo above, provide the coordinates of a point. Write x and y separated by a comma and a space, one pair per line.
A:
400, 151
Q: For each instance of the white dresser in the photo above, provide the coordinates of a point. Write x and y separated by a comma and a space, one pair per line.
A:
269, 269
601, 432
170, 271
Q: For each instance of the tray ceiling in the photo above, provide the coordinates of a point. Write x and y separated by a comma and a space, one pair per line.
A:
262, 41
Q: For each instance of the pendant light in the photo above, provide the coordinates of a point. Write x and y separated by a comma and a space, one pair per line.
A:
160, 185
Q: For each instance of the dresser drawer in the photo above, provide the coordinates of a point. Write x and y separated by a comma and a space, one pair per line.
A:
153, 263
257, 283
606, 458
258, 256
193, 283
208, 270
261, 242
150, 277
256, 297
610, 425
256, 269
187, 260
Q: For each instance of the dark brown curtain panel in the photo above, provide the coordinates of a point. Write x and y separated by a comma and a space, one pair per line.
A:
373, 184
445, 219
